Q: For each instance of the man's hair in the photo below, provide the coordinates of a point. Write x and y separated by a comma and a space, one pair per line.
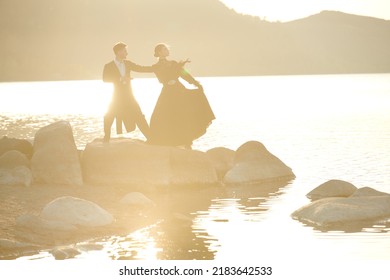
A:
118, 46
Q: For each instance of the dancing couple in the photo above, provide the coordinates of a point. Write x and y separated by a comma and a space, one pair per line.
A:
180, 116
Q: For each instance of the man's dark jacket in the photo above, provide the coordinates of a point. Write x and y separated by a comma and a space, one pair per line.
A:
123, 105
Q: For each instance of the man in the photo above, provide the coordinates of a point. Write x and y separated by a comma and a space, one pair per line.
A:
124, 108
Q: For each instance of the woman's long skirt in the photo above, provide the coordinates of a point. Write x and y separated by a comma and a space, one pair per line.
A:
180, 116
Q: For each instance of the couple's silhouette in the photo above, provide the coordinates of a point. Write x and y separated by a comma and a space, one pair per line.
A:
180, 116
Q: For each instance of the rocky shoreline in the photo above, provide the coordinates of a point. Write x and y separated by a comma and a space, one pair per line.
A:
50, 191
53, 196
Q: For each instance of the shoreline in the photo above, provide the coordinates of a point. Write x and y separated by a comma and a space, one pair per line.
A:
16, 201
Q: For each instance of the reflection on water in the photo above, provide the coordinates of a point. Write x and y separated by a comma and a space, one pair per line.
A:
186, 221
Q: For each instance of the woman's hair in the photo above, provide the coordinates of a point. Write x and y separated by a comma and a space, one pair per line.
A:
158, 47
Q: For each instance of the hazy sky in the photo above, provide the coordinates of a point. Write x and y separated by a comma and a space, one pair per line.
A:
285, 10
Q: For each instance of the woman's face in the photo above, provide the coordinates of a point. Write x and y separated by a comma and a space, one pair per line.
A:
164, 51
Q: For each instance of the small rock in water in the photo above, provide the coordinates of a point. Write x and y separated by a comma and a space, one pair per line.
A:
64, 253
137, 199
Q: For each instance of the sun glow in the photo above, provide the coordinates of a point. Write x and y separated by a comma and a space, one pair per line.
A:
57, 97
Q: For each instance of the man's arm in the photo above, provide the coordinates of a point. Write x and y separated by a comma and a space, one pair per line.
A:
138, 68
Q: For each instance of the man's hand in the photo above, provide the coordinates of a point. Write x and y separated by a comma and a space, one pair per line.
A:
125, 80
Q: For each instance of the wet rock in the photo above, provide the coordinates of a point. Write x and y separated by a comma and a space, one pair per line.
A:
330, 211
55, 159
14, 158
21, 145
222, 160
136, 199
77, 212
254, 163
191, 167
64, 253
132, 162
367, 191
332, 188
18, 176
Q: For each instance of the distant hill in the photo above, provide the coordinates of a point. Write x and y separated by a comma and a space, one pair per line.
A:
50, 40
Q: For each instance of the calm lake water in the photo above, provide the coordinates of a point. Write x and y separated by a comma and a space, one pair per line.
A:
324, 127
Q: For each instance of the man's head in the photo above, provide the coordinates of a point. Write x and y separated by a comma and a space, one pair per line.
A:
120, 50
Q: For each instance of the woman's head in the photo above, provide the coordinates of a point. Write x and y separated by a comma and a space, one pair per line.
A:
161, 50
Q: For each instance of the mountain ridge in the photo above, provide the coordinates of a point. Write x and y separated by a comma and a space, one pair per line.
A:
73, 39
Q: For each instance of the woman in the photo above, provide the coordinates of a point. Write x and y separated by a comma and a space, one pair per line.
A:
181, 115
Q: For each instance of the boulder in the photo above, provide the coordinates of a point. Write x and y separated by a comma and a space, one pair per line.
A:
55, 159
76, 211
14, 158
21, 145
136, 199
332, 188
330, 211
254, 163
222, 160
18, 176
366, 191
64, 253
190, 167
132, 162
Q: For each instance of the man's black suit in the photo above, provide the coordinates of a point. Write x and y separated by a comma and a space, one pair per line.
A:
124, 108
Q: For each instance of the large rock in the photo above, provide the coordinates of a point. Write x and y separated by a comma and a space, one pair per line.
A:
132, 162
76, 211
367, 191
14, 158
21, 145
254, 163
222, 159
14, 169
17, 176
365, 206
332, 188
55, 159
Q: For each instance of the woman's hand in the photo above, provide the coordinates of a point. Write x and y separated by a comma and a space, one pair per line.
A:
183, 62
198, 85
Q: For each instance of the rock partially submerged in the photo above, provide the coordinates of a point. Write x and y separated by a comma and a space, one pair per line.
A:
15, 169
332, 188
137, 199
55, 159
18, 176
14, 144
65, 214
222, 160
132, 162
364, 204
14, 158
254, 163
77, 212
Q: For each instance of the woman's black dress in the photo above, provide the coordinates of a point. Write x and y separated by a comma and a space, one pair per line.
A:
181, 115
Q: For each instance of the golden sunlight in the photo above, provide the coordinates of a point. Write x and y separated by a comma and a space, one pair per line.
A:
57, 98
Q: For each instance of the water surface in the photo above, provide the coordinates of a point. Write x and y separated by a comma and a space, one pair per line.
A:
323, 127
